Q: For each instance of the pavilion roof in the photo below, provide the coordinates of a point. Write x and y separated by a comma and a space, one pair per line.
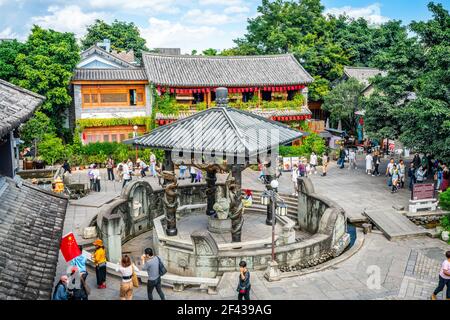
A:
16, 106
109, 74
226, 71
223, 130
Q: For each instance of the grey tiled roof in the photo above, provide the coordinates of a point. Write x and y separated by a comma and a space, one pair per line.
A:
362, 74
227, 71
109, 74
266, 113
222, 129
31, 227
16, 106
100, 51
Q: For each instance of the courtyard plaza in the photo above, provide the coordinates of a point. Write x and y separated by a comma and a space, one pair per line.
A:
379, 269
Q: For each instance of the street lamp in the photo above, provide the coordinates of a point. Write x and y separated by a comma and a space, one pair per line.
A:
271, 199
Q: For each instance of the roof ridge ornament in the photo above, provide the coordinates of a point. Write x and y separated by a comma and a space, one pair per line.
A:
222, 97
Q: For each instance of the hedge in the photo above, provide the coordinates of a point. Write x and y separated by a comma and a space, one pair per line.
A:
103, 122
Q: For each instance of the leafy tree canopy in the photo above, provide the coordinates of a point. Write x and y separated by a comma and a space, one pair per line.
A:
36, 128
210, 52
124, 36
8, 53
415, 65
45, 65
343, 101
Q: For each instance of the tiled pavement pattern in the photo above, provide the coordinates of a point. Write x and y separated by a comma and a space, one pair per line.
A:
380, 270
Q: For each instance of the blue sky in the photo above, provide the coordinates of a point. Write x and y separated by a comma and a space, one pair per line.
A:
187, 24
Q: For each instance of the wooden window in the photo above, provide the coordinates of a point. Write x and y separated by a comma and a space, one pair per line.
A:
122, 137
95, 96
113, 137
106, 138
113, 97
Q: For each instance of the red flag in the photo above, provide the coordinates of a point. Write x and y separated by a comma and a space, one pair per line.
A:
69, 247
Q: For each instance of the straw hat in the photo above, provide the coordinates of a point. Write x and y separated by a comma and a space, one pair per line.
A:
98, 242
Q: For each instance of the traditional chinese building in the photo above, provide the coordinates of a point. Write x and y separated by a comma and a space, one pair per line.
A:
111, 97
31, 219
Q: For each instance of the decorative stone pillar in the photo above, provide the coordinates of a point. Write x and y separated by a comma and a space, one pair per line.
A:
234, 195
211, 190
170, 202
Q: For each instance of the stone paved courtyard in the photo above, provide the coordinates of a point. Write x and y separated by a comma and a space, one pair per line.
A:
381, 269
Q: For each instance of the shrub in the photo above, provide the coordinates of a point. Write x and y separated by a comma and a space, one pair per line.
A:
52, 149
444, 200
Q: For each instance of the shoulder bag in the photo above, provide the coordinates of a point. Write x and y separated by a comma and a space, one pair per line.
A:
162, 268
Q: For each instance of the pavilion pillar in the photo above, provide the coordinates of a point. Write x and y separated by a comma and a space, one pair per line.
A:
170, 201
168, 164
259, 97
211, 190
236, 172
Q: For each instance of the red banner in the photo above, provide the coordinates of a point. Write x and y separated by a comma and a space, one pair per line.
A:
69, 247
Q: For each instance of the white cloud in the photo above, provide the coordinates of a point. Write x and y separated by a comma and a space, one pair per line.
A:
371, 13
7, 33
220, 2
68, 19
164, 33
149, 6
207, 17
236, 9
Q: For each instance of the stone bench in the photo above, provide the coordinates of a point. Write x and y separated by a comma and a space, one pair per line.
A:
415, 205
178, 282
188, 208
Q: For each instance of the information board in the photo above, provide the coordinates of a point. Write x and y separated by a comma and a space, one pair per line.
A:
423, 191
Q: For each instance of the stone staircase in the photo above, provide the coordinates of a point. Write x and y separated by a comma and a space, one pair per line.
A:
258, 208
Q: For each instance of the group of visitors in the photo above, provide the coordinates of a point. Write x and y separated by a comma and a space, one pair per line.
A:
305, 168
424, 168
195, 174
73, 285
396, 173
347, 154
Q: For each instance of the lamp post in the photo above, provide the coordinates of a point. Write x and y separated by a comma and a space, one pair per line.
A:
271, 199
135, 128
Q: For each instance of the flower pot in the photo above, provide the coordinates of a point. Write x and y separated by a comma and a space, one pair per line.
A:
39, 164
27, 164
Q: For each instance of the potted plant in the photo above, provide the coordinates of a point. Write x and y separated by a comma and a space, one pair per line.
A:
28, 163
39, 163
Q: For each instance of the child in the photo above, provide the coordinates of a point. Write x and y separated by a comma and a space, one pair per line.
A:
199, 176
395, 179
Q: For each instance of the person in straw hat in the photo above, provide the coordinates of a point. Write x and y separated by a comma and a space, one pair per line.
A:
99, 258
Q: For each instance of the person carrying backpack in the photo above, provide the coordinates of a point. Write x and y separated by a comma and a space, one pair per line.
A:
155, 269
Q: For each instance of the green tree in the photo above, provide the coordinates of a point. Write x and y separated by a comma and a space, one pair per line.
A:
124, 36
33, 131
52, 149
342, 102
210, 52
8, 53
46, 67
418, 65
300, 28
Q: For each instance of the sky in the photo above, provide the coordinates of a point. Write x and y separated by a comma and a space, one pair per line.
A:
185, 24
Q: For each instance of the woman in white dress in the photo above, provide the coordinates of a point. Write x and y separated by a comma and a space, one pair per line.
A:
369, 163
